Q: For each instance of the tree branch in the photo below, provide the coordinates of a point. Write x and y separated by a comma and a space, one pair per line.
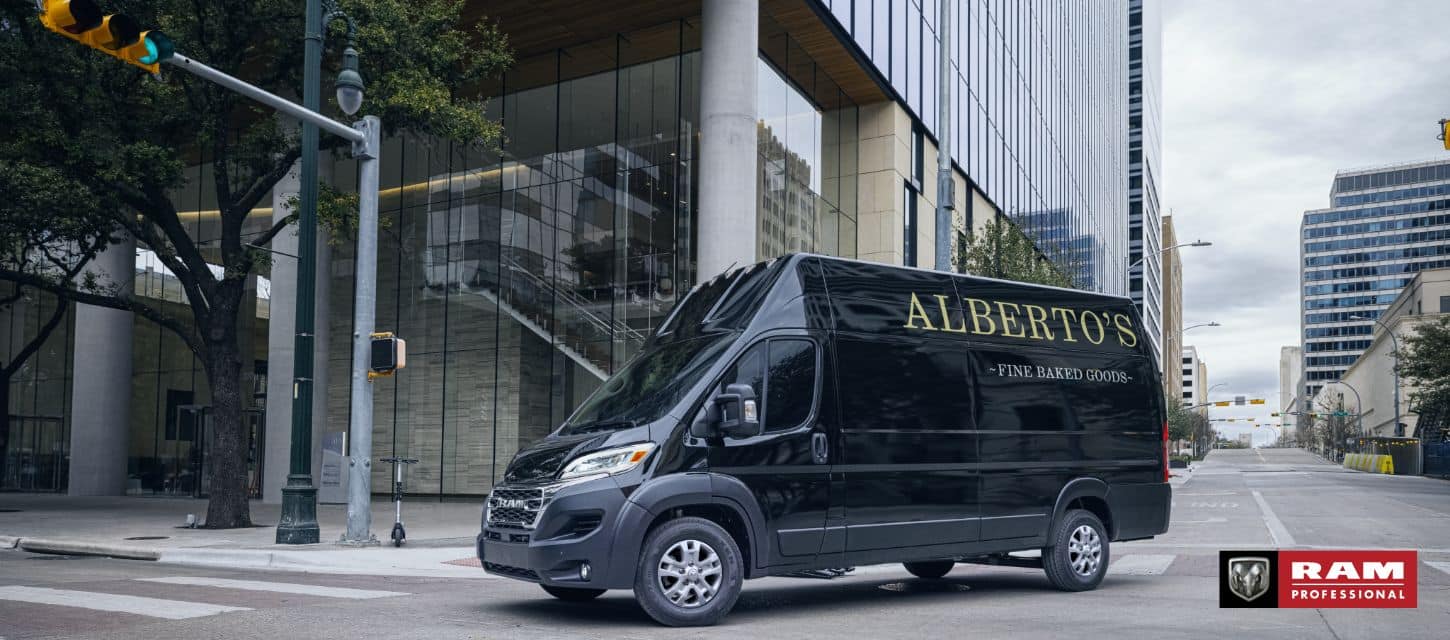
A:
265, 182
267, 236
18, 359
110, 302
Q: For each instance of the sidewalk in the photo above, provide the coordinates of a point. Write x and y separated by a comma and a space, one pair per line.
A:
440, 535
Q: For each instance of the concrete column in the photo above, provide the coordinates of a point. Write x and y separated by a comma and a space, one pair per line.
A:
281, 329
729, 55
101, 383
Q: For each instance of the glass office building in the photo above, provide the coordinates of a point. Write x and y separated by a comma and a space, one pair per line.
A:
1383, 226
522, 276
1145, 147
1039, 119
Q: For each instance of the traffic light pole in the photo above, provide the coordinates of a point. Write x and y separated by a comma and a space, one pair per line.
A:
366, 138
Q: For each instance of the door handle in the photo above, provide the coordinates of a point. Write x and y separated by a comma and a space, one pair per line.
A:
819, 450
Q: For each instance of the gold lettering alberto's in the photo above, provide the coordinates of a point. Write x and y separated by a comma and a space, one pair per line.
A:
1087, 331
946, 316
1067, 318
1009, 320
917, 312
985, 314
1038, 320
1126, 336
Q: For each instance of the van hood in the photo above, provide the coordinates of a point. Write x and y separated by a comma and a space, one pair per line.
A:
542, 461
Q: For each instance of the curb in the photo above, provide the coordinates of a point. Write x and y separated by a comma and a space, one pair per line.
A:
304, 562
74, 548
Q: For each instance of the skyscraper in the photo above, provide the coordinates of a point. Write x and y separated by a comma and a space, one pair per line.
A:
1383, 225
1145, 57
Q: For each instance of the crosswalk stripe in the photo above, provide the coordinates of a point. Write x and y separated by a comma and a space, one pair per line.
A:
1443, 566
152, 607
277, 587
1141, 565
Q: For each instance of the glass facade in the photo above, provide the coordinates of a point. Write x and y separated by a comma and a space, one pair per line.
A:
34, 436
1039, 120
1357, 255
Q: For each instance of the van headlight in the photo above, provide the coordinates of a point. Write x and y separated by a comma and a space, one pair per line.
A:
608, 461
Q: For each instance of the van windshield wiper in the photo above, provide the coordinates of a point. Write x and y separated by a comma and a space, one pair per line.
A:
603, 425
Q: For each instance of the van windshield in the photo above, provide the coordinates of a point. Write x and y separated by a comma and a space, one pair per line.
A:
648, 386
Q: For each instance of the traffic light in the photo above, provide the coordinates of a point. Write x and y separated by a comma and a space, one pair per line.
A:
389, 353
1256, 401
117, 35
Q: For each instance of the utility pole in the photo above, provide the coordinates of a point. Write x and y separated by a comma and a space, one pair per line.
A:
945, 194
360, 425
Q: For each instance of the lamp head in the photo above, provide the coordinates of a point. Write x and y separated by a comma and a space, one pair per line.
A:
1201, 243
349, 84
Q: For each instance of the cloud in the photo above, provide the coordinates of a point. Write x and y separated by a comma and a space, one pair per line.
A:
1262, 103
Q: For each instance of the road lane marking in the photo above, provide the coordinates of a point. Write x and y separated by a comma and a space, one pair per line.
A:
1205, 521
1277, 531
151, 607
1209, 493
1443, 566
277, 587
1141, 565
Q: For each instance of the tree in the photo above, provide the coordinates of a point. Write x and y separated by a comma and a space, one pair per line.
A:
1424, 361
1001, 250
105, 146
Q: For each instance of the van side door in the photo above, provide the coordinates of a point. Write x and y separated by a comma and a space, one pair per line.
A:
786, 467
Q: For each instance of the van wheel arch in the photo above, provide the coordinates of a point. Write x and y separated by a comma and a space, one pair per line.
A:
726, 516
1090, 494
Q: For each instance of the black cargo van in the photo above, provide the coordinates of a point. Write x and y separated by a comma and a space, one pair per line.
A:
814, 412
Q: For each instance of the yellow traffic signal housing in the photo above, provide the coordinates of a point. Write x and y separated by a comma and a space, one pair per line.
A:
116, 35
1256, 401
1445, 133
388, 354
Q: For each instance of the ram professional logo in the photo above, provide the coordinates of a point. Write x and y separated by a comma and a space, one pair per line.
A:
1248, 578
1014, 320
500, 503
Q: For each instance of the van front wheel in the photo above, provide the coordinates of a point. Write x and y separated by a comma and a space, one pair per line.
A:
930, 569
1077, 559
689, 574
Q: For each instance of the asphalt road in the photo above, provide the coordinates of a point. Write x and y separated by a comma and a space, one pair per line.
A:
1164, 588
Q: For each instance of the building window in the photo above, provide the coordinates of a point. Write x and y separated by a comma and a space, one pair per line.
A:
1187, 383
1187, 372
1187, 395
1444, 304
1188, 361
908, 227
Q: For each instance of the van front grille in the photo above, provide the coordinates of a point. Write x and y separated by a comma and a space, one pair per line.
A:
515, 508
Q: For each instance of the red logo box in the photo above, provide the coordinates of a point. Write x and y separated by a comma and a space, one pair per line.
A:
1348, 579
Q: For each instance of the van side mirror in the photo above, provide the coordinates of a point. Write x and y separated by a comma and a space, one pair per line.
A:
739, 415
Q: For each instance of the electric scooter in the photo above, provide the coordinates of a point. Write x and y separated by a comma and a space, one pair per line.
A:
399, 534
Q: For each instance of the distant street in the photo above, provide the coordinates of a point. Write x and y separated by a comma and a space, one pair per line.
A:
1163, 588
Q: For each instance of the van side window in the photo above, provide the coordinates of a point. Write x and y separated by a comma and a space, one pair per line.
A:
783, 374
791, 384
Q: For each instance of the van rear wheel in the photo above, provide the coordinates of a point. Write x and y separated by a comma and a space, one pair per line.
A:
689, 574
930, 569
1077, 559
572, 594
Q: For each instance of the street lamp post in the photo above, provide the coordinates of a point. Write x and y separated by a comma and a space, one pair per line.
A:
298, 523
1399, 430
1132, 265
1358, 405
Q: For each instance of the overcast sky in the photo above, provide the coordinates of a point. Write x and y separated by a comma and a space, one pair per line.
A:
1262, 102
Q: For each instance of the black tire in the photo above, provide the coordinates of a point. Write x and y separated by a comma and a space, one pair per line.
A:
692, 609
930, 569
398, 535
1076, 560
572, 594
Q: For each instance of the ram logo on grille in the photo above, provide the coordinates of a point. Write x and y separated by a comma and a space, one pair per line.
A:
502, 503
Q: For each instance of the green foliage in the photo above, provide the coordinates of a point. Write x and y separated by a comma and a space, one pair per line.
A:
1180, 420
94, 149
1003, 251
1424, 361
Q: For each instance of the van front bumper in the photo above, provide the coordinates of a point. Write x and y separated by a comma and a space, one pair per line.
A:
575, 527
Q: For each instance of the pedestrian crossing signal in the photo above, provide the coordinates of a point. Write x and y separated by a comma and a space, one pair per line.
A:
388, 354
117, 35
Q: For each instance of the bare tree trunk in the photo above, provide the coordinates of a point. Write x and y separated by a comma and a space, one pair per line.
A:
228, 506
4, 420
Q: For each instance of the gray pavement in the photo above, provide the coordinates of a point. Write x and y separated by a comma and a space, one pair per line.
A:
1163, 588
